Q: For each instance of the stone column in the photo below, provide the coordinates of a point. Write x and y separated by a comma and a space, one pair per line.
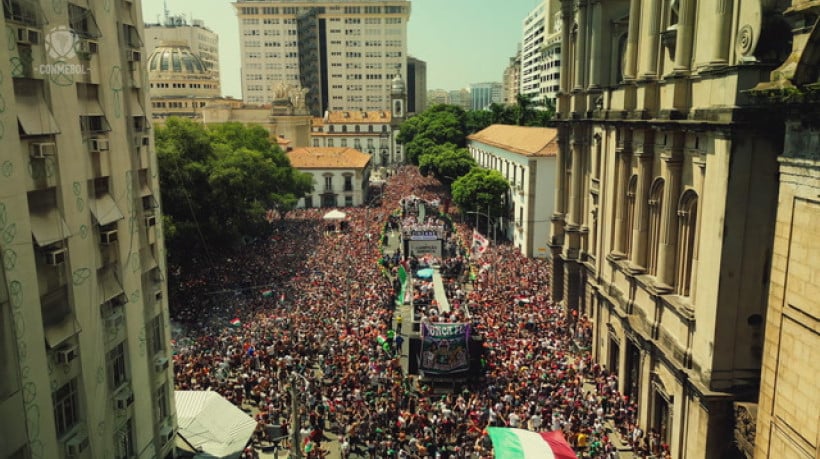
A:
649, 64
560, 181
623, 168
631, 67
720, 37
684, 41
671, 171
580, 47
596, 42
640, 231
566, 28
576, 196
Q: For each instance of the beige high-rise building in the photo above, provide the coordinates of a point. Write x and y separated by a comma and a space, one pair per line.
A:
344, 52
540, 54
203, 41
85, 367
665, 216
512, 80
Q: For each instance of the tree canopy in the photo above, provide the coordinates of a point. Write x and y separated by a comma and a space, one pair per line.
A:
437, 125
480, 190
218, 183
446, 162
525, 112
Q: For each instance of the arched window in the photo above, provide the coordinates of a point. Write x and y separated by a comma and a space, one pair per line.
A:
687, 241
631, 190
655, 212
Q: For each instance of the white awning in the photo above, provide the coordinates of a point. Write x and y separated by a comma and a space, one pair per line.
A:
57, 334
147, 259
33, 113
109, 285
136, 105
212, 424
90, 106
104, 209
48, 226
335, 214
144, 189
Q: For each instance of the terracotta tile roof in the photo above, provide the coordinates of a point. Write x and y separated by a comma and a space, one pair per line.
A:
527, 141
327, 158
358, 117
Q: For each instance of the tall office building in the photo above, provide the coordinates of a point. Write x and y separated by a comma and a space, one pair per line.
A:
345, 53
482, 95
84, 357
416, 85
541, 52
203, 41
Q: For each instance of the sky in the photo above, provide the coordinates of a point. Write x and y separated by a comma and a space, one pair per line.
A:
462, 41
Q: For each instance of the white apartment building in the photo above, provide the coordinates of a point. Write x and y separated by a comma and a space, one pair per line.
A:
203, 41
541, 52
85, 369
526, 157
344, 52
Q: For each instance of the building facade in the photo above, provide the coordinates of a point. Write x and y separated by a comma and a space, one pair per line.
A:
438, 96
460, 97
787, 425
666, 202
482, 95
84, 346
368, 132
345, 53
180, 83
340, 175
203, 41
512, 80
525, 156
416, 85
540, 54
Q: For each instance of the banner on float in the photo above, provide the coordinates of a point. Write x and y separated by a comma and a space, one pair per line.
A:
402, 276
444, 348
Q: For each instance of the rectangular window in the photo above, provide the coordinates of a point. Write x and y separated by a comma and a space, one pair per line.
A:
116, 366
348, 201
348, 183
328, 183
162, 403
66, 407
157, 336
124, 441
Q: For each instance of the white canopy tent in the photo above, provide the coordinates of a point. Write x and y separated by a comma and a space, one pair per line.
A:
211, 425
334, 215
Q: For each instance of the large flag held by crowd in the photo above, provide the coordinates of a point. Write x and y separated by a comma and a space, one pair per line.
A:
525, 444
444, 347
480, 244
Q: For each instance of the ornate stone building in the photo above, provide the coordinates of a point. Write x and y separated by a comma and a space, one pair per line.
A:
667, 195
788, 425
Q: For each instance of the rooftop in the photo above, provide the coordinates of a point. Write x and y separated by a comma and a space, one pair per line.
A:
327, 158
524, 140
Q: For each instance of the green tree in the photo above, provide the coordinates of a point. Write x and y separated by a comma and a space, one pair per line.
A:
446, 162
481, 190
437, 125
218, 182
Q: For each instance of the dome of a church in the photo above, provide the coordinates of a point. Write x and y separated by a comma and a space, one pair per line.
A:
178, 59
397, 85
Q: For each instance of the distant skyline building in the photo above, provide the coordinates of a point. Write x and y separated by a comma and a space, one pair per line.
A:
203, 41
438, 96
460, 97
512, 80
345, 53
541, 52
416, 85
482, 95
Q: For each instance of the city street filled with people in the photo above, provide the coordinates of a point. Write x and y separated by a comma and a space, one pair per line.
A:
317, 308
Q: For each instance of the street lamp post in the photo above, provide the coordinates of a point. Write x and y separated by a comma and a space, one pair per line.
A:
296, 436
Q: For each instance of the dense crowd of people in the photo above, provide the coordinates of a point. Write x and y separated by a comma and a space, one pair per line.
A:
315, 309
